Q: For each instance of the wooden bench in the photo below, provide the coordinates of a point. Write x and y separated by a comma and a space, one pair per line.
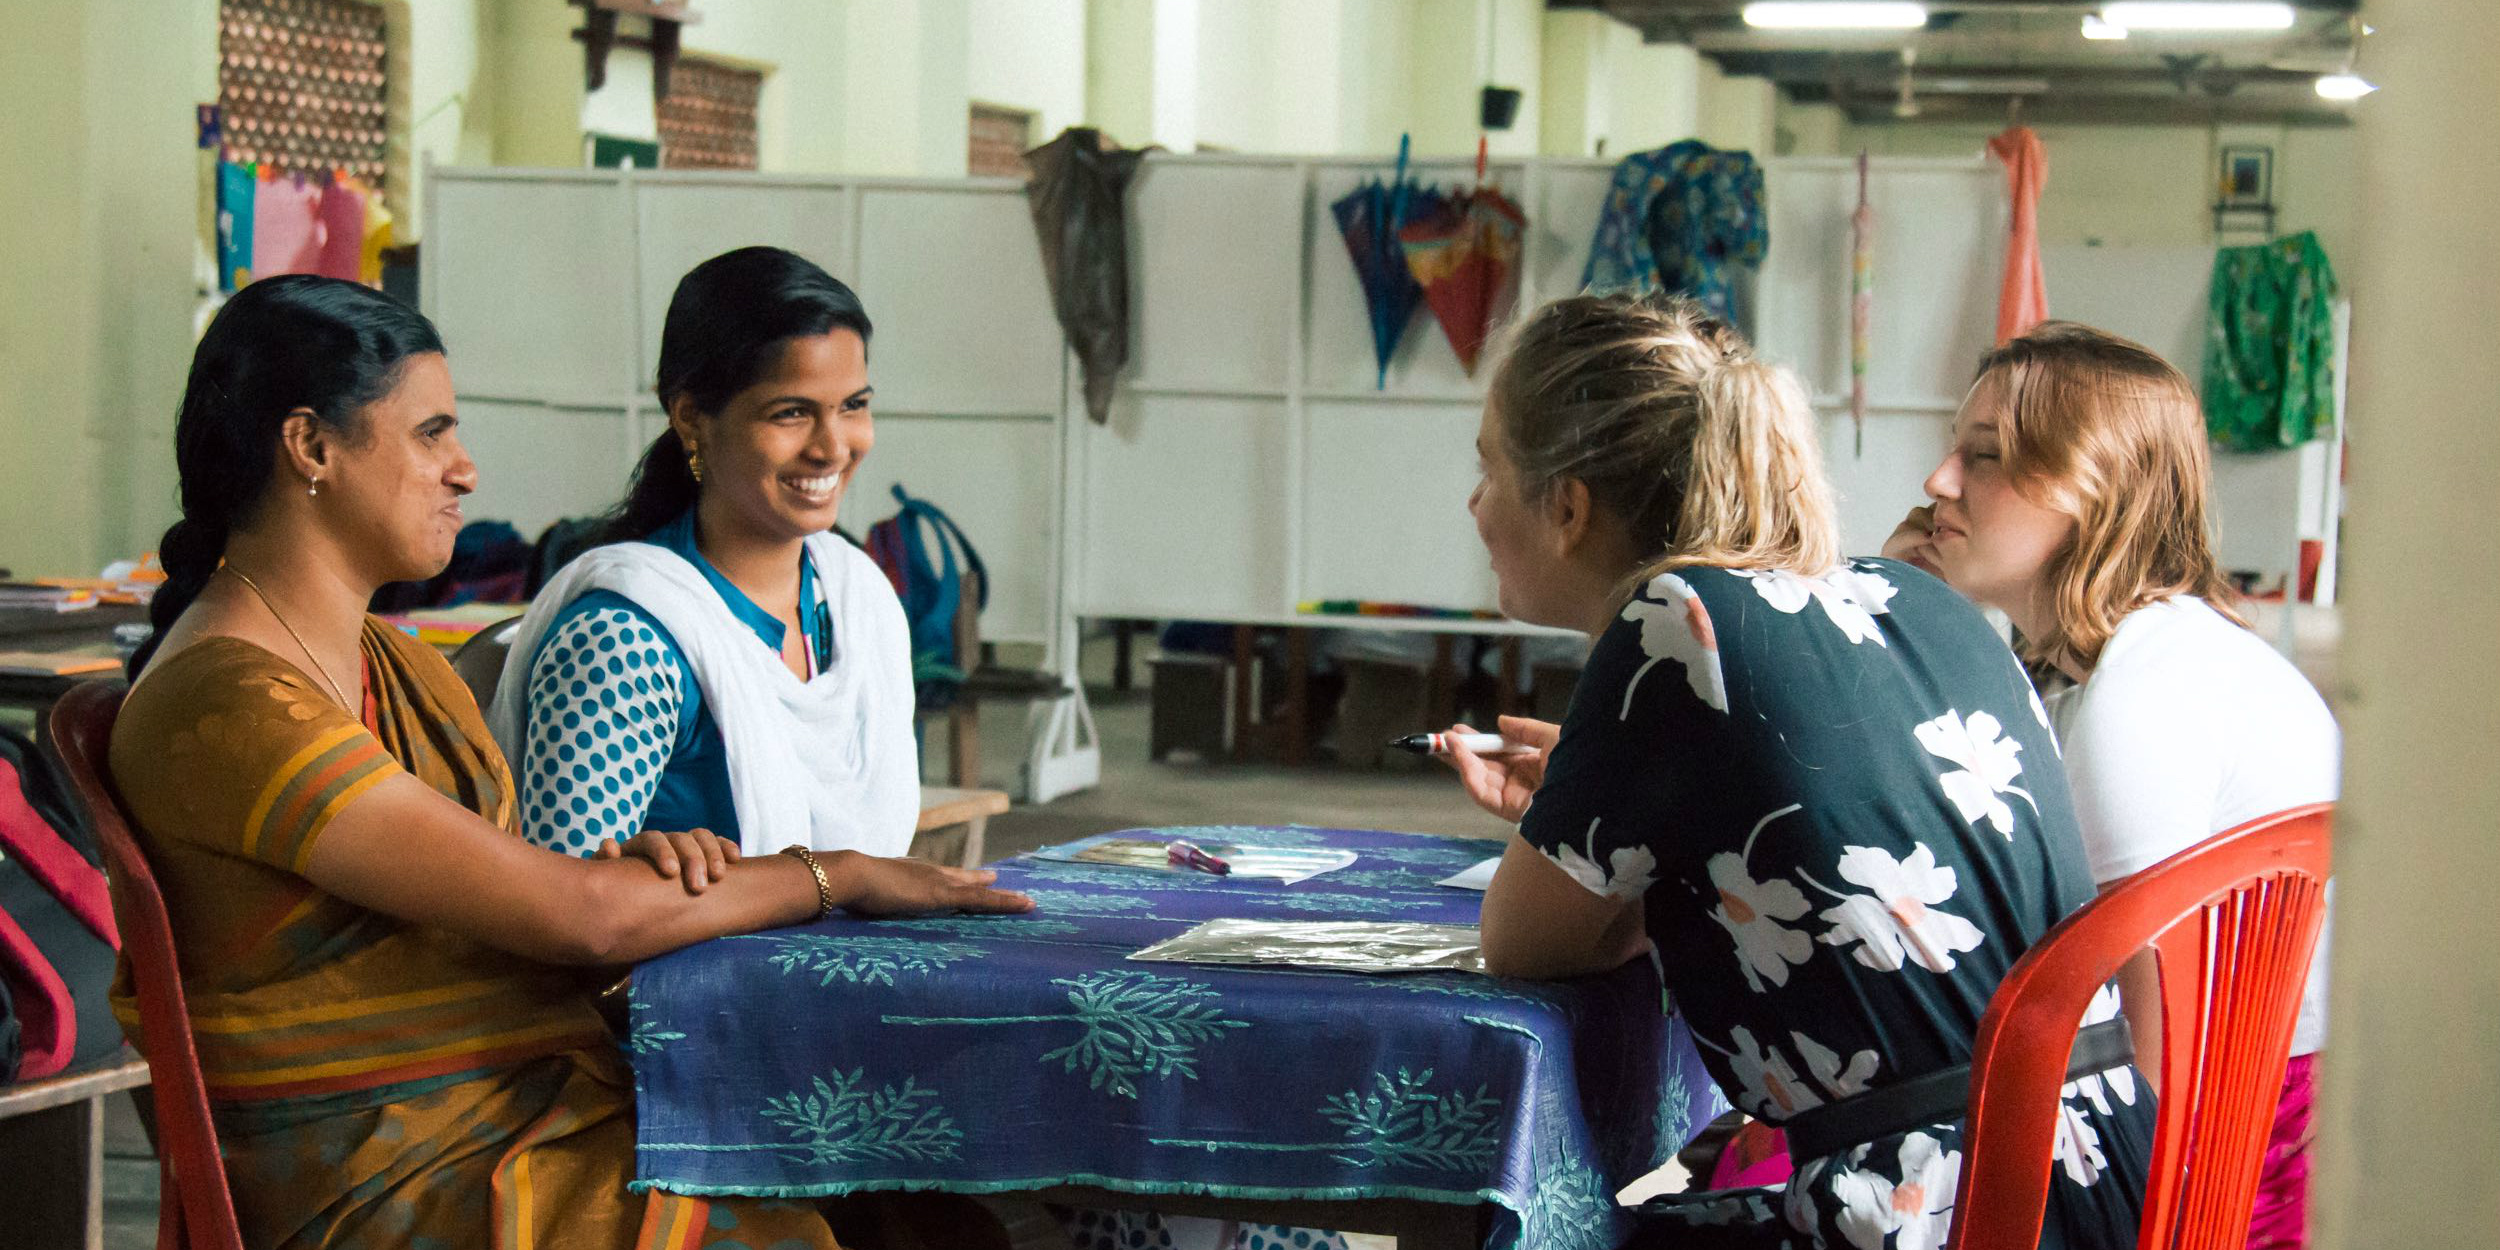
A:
945, 807
52, 1139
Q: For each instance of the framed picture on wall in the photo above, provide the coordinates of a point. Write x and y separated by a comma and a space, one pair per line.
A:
2247, 177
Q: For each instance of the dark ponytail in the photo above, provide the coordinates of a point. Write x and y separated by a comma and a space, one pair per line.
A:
726, 325
280, 344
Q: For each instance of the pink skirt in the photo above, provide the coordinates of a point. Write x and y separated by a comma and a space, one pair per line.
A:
2280, 1220
1758, 1155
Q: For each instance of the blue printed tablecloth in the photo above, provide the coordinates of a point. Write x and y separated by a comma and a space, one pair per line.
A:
983, 1054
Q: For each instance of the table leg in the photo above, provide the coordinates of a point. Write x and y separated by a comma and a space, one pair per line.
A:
1513, 656
975, 830
1121, 675
53, 1186
1441, 699
963, 743
1245, 687
1297, 696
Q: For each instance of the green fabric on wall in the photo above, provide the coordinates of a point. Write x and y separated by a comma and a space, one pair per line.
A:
2270, 345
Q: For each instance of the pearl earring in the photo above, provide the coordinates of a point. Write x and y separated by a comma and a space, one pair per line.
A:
315, 489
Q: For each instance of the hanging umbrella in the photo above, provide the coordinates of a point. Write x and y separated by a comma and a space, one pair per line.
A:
1370, 217
1079, 200
1861, 302
1461, 255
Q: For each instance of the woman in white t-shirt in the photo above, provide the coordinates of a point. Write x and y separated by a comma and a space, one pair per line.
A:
2074, 501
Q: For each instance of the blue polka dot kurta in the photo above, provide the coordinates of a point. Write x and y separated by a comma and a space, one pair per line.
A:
616, 736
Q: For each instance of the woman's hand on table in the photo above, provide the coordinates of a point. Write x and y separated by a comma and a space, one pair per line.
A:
1913, 541
1505, 784
696, 858
875, 885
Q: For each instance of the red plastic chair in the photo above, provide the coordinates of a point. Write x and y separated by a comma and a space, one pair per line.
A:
2232, 922
195, 1210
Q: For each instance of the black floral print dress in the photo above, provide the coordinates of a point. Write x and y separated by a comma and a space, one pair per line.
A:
1841, 804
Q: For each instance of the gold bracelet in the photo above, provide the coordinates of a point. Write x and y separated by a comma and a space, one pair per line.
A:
824, 888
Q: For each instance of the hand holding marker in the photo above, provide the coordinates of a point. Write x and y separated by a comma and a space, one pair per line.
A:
1453, 743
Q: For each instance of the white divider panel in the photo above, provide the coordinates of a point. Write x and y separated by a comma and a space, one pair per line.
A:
1939, 248
1563, 199
1215, 248
1185, 509
538, 464
2264, 502
529, 301
995, 476
963, 313
683, 222
1385, 492
1340, 355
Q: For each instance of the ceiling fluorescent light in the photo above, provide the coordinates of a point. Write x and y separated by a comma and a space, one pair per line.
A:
2201, 15
2096, 27
2345, 86
1835, 15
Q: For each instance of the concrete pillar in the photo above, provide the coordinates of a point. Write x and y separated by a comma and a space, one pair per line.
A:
2407, 1137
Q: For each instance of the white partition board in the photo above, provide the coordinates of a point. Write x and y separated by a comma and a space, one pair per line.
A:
538, 463
2264, 503
552, 288
529, 296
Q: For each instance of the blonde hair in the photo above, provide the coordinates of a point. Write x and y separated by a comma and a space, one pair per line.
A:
1707, 455
2107, 432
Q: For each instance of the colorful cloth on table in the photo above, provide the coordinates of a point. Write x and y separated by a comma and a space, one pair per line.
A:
977, 1053
286, 226
341, 252
237, 189
2270, 345
1840, 803
830, 761
2281, 1218
2023, 295
1687, 217
373, 1080
610, 754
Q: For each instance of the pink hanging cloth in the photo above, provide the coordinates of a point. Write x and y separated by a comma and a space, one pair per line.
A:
286, 225
342, 231
2024, 300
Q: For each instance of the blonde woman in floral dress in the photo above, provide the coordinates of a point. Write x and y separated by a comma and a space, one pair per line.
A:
1807, 788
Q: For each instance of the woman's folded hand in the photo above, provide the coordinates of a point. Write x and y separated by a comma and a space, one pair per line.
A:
1913, 541
696, 857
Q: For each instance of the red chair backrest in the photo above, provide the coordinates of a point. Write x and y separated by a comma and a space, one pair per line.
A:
2233, 923
196, 1209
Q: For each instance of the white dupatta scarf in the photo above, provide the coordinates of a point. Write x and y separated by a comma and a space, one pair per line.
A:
830, 763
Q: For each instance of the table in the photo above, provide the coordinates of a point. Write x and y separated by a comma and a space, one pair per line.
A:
90, 630
52, 1133
1025, 1054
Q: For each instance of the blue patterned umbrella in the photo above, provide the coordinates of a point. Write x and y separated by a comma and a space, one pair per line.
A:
1370, 217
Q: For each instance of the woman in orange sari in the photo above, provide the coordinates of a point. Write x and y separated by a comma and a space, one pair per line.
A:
392, 993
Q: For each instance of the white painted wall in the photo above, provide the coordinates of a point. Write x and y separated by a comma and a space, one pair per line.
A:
1029, 54
100, 279
2151, 186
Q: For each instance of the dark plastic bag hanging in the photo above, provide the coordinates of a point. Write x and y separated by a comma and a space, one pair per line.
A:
1079, 198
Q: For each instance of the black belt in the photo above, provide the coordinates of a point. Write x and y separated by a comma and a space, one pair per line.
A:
1940, 1097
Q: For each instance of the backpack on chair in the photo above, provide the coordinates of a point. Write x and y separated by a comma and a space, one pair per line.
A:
57, 939
931, 590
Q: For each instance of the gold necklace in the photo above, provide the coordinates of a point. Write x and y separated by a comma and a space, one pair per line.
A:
318, 666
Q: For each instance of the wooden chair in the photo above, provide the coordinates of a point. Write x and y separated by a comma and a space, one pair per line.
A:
2233, 923
196, 1209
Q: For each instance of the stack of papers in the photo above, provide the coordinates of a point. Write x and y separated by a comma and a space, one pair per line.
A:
1342, 945
449, 627
44, 597
1267, 863
54, 664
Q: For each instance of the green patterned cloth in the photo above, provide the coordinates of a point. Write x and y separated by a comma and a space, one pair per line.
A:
2270, 345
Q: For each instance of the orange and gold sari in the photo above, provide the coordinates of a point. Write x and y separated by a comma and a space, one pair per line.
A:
376, 1081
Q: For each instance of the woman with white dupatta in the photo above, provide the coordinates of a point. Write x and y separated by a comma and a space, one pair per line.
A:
721, 660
